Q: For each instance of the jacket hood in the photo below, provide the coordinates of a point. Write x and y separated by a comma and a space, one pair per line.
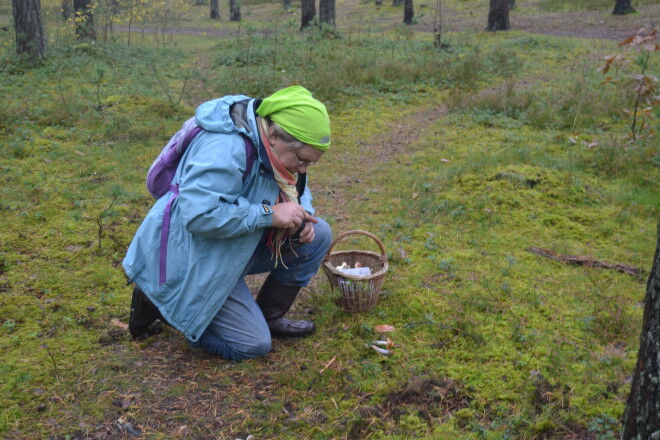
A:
217, 116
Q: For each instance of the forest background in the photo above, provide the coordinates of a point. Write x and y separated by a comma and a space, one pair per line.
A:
462, 152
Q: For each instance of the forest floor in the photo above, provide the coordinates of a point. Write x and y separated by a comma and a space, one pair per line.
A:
184, 391
582, 24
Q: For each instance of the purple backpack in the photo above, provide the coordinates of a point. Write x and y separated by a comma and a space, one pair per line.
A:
161, 172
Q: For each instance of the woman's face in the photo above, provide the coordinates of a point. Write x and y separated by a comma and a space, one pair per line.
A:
295, 160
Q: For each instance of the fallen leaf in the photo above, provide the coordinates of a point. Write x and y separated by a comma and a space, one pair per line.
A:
117, 323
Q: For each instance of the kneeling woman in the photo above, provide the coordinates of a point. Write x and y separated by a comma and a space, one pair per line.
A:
229, 214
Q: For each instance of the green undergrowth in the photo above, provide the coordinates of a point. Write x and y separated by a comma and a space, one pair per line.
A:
578, 5
459, 161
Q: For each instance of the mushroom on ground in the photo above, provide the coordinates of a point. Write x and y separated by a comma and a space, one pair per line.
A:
383, 330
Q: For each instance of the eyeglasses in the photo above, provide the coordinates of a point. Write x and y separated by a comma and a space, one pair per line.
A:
302, 163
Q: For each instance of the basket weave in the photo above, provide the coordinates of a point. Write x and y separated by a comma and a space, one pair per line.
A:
358, 293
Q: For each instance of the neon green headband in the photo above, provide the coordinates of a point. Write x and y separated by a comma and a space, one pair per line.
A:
299, 114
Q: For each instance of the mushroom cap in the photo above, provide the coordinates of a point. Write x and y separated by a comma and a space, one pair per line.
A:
384, 328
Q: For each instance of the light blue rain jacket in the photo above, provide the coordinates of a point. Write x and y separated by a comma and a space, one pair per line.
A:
216, 221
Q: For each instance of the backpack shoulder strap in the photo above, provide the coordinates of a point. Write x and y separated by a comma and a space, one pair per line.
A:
250, 154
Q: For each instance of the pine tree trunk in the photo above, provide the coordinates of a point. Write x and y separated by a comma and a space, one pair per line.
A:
66, 10
327, 12
308, 12
30, 37
215, 10
622, 7
234, 10
84, 20
641, 420
498, 16
408, 12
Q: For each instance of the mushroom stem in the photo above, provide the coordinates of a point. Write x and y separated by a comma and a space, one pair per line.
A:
381, 351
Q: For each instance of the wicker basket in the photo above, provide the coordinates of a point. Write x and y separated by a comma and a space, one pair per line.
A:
358, 293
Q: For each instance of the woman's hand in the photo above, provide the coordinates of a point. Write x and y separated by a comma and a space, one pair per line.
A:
290, 215
307, 234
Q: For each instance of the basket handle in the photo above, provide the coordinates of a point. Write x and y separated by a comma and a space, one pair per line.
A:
359, 232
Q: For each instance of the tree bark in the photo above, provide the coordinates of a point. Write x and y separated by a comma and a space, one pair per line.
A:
66, 10
215, 10
234, 10
84, 19
308, 12
622, 7
641, 420
408, 12
498, 16
327, 12
30, 37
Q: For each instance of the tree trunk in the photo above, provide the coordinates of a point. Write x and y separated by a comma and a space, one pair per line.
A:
234, 10
30, 37
498, 15
215, 10
308, 12
408, 12
327, 12
66, 10
84, 19
622, 7
286, 4
641, 419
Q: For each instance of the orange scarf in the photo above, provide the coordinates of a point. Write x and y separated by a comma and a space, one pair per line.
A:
288, 193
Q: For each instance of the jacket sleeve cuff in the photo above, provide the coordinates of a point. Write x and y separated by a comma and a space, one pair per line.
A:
263, 214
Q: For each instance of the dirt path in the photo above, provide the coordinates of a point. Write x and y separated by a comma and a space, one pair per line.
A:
527, 18
582, 24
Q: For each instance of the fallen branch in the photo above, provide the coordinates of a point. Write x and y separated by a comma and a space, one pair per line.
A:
587, 261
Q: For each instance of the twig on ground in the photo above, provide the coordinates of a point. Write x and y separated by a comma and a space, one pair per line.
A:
328, 364
586, 261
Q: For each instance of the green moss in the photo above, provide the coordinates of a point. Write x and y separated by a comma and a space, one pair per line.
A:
456, 176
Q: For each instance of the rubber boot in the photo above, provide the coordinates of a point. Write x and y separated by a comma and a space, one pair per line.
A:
143, 314
275, 300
